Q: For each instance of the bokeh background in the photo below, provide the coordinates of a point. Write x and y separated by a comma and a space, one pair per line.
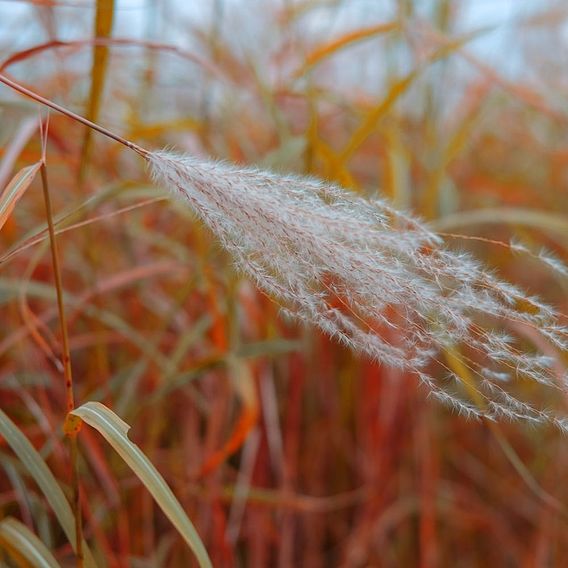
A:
309, 455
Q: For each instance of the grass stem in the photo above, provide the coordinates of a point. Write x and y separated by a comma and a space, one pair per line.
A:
70, 433
42, 100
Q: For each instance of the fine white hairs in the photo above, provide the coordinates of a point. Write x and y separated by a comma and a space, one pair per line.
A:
379, 281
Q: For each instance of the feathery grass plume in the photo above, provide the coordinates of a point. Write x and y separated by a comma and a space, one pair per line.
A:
377, 280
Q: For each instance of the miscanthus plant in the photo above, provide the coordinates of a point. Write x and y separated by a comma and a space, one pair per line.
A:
376, 279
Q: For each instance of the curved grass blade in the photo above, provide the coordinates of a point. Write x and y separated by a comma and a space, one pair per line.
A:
175, 50
42, 475
115, 431
15, 189
547, 221
328, 49
17, 539
397, 89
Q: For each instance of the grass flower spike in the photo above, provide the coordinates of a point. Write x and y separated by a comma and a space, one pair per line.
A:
377, 280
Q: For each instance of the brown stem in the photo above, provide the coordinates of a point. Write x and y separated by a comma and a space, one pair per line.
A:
21, 89
67, 374
66, 359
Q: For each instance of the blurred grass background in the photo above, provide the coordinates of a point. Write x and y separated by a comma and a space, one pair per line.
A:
304, 455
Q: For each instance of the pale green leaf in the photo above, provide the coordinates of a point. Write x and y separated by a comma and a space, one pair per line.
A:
16, 537
115, 431
42, 475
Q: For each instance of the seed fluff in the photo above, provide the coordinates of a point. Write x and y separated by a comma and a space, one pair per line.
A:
379, 281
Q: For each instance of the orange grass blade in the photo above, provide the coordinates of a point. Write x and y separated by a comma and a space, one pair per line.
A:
15, 189
247, 421
155, 129
328, 49
243, 382
372, 118
334, 168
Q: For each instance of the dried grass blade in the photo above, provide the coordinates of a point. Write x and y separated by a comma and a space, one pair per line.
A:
115, 431
244, 384
546, 221
371, 120
15, 189
328, 49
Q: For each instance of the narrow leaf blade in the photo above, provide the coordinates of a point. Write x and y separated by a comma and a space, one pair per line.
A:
328, 49
115, 431
15, 189
16, 537
42, 475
